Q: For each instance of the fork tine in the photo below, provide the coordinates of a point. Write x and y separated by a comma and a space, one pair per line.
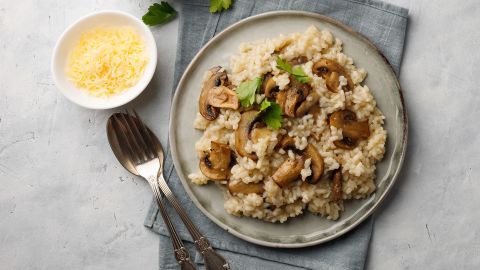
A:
138, 136
136, 148
146, 135
122, 136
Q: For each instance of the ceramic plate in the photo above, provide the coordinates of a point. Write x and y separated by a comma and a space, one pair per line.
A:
307, 229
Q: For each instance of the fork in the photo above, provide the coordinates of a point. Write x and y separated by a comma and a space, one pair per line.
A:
145, 143
149, 169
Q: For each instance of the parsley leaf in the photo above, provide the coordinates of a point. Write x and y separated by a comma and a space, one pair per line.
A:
283, 65
300, 75
271, 114
159, 14
219, 5
297, 72
246, 91
265, 105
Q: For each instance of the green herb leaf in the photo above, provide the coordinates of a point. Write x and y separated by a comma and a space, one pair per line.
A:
265, 105
283, 65
246, 91
159, 14
219, 5
300, 75
297, 72
271, 114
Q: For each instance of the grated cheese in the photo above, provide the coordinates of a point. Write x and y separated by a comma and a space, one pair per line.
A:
107, 61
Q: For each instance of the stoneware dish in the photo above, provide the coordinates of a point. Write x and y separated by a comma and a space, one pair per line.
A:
307, 229
70, 38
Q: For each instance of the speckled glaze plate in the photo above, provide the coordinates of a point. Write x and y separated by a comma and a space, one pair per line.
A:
307, 229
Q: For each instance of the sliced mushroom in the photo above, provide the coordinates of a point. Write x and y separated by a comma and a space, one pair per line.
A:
217, 78
310, 101
299, 60
287, 142
357, 130
317, 164
288, 171
241, 187
269, 86
333, 81
303, 89
352, 130
222, 97
346, 143
257, 133
315, 111
216, 164
281, 99
347, 121
337, 185
340, 118
242, 134
296, 94
331, 71
293, 98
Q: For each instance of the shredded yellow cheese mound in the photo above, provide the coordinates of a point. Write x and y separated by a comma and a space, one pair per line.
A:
107, 61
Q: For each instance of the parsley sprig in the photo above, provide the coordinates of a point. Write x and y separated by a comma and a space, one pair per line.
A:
271, 114
297, 72
246, 91
163, 12
219, 5
159, 14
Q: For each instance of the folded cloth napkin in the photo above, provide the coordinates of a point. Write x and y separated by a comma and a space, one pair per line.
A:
383, 24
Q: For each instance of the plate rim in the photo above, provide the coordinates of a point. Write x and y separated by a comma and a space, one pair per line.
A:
173, 142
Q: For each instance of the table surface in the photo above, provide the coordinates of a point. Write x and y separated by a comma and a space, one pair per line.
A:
66, 203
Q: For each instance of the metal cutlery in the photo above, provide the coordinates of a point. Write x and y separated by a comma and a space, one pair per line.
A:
141, 153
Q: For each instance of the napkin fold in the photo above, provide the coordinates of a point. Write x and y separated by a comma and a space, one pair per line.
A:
384, 24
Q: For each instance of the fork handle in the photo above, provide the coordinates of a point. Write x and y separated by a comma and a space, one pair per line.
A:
181, 253
213, 260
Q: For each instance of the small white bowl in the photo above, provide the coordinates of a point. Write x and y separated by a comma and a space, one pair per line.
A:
70, 38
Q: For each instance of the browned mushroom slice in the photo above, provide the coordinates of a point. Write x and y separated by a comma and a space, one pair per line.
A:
347, 121
216, 164
257, 133
356, 130
340, 118
330, 70
220, 155
287, 142
293, 98
317, 164
352, 130
242, 134
337, 185
315, 111
296, 94
269, 86
217, 78
310, 101
241, 187
303, 89
281, 99
333, 81
288, 171
222, 97
346, 143
299, 60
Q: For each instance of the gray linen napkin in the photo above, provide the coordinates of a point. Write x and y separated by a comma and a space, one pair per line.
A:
383, 24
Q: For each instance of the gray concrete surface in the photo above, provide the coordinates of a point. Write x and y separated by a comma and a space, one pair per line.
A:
65, 202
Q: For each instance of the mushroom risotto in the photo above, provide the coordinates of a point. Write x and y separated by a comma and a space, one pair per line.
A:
289, 126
